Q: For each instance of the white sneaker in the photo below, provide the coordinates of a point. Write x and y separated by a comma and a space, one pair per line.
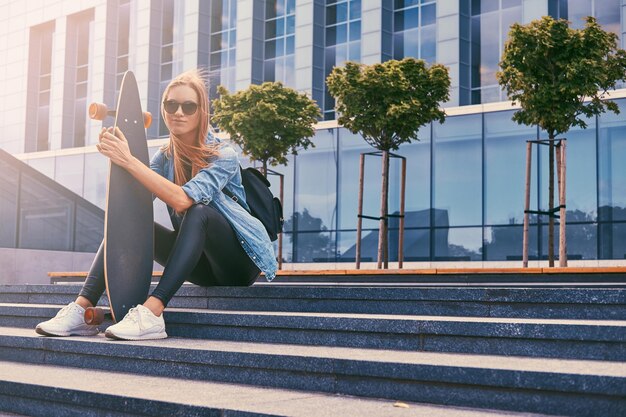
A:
69, 321
139, 324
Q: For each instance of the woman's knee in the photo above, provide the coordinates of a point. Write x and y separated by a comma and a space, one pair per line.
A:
201, 214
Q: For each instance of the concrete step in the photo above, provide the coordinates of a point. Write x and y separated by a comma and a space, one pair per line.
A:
549, 386
566, 303
555, 338
52, 390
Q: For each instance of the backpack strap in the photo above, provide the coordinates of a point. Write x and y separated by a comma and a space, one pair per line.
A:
229, 194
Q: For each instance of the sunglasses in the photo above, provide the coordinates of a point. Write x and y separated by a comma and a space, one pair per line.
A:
189, 107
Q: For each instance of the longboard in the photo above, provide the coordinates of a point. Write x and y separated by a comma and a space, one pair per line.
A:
128, 220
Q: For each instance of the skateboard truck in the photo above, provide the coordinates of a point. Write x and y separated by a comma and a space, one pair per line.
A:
99, 111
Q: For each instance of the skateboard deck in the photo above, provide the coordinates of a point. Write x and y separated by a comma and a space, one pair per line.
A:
128, 220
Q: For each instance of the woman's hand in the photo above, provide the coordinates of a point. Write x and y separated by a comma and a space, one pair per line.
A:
113, 145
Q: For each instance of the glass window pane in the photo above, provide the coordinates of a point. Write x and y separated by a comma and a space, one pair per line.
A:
417, 197
280, 46
290, 25
612, 154
428, 15
505, 169
342, 34
505, 243
581, 174
351, 146
346, 246
290, 47
354, 53
355, 9
270, 49
582, 241
8, 205
316, 174
331, 35
612, 240
411, 43
269, 73
458, 244
608, 15
457, 171
577, 10
280, 27
89, 230
355, 30
416, 244
411, 18
45, 217
428, 44
313, 247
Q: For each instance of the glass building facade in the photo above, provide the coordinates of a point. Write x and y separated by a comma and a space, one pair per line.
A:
464, 198
465, 190
38, 213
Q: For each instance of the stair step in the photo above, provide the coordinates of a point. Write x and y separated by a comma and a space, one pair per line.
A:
53, 390
569, 303
573, 339
550, 386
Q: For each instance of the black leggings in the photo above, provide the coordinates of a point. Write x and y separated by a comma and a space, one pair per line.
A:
205, 251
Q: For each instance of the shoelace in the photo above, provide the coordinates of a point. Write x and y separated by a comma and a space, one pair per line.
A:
135, 316
64, 311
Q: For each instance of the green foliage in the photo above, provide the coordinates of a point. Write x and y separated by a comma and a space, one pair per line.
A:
387, 103
268, 121
550, 69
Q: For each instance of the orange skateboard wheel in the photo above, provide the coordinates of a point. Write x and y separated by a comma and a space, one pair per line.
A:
147, 119
98, 111
94, 315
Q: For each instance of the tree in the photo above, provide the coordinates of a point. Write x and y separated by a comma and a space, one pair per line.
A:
558, 74
387, 103
268, 121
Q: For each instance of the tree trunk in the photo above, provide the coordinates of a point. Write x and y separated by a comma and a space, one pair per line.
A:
551, 203
383, 247
265, 168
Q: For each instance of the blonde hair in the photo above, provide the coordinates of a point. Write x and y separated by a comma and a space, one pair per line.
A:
199, 153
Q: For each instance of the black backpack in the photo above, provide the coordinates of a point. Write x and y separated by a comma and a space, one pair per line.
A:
263, 205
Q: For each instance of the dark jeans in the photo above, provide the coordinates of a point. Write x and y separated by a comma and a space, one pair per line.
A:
205, 251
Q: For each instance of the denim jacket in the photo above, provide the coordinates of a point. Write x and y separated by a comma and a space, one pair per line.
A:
206, 188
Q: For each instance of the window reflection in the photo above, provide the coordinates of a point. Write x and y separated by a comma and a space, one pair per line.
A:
505, 169
313, 247
582, 241
458, 244
504, 243
414, 30
612, 240
343, 42
612, 154
316, 177
417, 195
490, 24
581, 196
457, 170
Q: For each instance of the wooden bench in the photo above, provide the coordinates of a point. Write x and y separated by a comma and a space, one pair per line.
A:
316, 275
80, 276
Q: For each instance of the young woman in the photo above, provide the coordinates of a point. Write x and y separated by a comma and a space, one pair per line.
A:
215, 240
